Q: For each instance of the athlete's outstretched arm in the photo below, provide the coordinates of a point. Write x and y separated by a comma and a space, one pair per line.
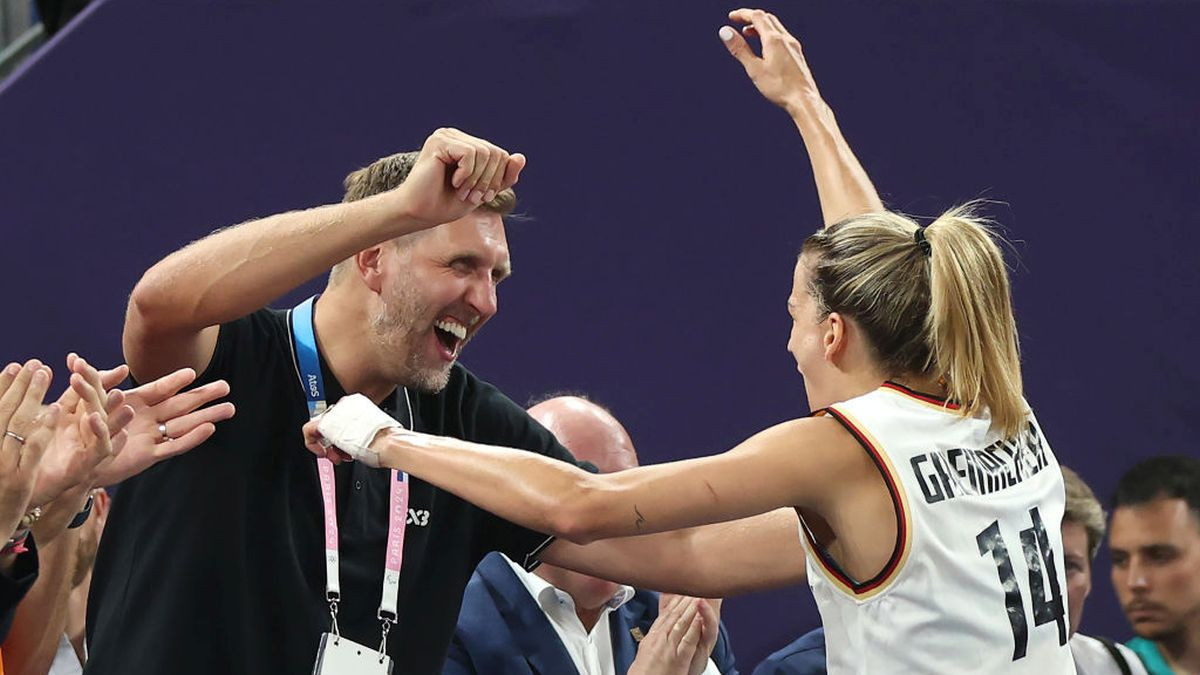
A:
758, 553
798, 463
177, 306
782, 76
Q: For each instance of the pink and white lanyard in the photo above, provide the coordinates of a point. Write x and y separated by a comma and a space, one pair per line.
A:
309, 369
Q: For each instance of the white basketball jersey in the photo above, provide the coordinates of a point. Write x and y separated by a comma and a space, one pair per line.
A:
976, 581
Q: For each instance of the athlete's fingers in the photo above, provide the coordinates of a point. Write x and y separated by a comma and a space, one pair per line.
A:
737, 46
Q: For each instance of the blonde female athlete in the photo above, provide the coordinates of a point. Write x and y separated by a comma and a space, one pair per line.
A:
929, 501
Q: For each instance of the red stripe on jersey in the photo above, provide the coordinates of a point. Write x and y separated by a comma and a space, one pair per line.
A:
927, 398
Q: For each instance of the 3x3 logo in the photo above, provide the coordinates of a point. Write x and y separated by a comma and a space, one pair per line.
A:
418, 517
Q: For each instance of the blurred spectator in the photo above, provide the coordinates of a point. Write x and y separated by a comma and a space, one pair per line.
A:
50, 459
1082, 532
554, 620
1155, 545
805, 656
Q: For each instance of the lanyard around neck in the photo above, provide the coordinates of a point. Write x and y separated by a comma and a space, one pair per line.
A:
308, 367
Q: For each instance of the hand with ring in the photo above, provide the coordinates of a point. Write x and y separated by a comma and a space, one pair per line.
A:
166, 423
27, 427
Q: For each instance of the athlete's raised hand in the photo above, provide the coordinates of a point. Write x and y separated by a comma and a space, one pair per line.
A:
455, 173
781, 73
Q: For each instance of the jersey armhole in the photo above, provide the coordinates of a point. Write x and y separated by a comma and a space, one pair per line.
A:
902, 544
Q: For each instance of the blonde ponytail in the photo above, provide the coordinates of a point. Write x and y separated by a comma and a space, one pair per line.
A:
933, 304
970, 322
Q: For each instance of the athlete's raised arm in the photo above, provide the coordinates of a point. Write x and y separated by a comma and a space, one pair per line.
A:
179, 303
782, 75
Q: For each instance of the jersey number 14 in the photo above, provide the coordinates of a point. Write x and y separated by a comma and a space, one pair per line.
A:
1038, 557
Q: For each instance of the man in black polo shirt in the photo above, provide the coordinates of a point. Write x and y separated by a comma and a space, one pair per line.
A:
213, 562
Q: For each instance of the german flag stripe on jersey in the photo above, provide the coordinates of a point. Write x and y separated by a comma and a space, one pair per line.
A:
903, 544
930, 399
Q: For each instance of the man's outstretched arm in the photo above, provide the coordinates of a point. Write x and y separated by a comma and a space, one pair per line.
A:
781, 74
177, 306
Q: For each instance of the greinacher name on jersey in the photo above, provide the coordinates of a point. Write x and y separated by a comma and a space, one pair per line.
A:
947, 474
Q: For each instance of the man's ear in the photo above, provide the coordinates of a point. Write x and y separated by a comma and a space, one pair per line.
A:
369, 264
834, 338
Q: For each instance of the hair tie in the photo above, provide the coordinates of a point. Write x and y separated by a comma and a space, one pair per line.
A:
920, 240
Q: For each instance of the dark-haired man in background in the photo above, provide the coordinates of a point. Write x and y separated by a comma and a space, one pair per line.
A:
1155, 544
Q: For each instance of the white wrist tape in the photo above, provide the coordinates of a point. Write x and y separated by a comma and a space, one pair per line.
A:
352, 424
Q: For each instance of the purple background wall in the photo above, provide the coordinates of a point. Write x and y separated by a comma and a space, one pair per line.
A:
667, 198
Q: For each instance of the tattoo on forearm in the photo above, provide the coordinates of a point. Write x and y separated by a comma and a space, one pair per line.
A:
640, 518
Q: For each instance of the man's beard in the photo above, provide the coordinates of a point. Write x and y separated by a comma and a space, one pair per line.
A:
399, 331
1160, 633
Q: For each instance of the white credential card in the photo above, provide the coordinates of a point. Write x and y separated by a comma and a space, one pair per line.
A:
343, 656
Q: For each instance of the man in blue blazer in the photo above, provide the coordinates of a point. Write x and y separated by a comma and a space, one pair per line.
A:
554, 621
805, 656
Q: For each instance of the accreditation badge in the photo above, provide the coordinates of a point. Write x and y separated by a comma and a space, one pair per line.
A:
339, 655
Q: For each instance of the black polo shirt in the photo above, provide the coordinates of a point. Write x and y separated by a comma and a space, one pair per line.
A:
213, 562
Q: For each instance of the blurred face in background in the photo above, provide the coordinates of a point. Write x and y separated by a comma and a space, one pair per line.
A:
592, 435
1156, 566
1079, 569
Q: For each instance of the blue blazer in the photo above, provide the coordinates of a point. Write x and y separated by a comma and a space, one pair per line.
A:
805, 656
502, 630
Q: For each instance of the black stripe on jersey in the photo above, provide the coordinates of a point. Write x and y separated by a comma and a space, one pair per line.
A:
928, 398
901, 516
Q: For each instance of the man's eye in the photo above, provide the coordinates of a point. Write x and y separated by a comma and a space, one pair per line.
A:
1161, 555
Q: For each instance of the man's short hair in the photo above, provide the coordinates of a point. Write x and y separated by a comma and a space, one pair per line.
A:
1085, 509
389, 172
1170, 477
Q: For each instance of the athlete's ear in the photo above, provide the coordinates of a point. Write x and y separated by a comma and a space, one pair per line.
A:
833, 340
369, 263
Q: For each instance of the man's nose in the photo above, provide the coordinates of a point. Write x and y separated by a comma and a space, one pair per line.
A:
1135, 576
481, 295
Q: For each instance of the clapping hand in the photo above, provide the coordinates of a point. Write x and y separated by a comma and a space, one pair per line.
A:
27, 428
670, 646
165, 422
90, 431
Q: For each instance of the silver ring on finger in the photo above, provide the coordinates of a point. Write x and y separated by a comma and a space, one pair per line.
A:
12, 434
162, 431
